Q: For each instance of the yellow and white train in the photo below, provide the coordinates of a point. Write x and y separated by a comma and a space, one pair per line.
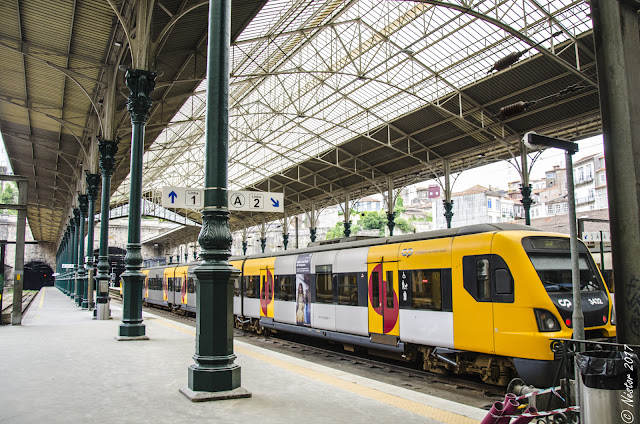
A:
482, 299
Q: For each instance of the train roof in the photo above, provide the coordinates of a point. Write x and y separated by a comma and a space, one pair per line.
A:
352, 242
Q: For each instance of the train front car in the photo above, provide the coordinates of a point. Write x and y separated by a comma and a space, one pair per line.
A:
542, 301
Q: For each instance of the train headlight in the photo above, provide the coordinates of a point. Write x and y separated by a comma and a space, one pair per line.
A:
546, 321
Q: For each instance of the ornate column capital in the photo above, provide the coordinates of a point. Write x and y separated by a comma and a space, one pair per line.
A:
215, 236
76, 217
83, 200
140, 83
93, 184
347, 228
108, 150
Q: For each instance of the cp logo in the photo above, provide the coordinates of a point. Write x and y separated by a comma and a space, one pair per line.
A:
407, 252
564, 302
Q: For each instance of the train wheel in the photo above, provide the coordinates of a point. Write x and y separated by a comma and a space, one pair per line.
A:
497, 372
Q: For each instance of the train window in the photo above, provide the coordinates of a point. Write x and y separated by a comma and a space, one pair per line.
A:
426, 289
347, 289
178, 284
252, 286
324, 284
375, 289
390, 289
191, 285
554, 271
284, 287
170, 284
482, 279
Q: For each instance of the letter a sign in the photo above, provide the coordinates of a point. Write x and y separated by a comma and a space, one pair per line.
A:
256, 201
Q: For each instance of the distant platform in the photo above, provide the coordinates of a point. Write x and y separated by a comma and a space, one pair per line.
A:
61, 366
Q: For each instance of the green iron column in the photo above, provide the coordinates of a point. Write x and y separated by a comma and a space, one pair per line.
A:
448, 212
70, 274
83, 200
76, 261
63, 250
526, 202
67, 260
108, 150
140, 84
214, 374
93, 181
63, 260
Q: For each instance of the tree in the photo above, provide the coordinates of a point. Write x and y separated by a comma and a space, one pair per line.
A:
336, 232
373, 220
399, 206
9, 193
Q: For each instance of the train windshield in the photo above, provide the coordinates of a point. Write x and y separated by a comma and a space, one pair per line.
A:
552, 262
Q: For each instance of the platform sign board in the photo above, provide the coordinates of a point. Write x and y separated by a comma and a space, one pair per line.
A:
182, 197
594, 236
67, 266
255, 201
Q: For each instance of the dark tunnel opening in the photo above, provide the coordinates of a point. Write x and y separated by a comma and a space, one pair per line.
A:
37, 274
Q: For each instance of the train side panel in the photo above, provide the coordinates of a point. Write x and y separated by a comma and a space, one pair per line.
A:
473, 328
426, 316
352, 316
154, 290
181, 295
284, 305
251, 287
237, 310
323, 310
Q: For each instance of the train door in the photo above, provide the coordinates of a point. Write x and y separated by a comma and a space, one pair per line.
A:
183, 287
266, 290
383, 294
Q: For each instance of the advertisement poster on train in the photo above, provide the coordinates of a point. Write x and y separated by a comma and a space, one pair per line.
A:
303, 290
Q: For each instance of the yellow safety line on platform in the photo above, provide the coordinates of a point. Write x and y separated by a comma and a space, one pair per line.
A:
42, 298
37, 317
389, 399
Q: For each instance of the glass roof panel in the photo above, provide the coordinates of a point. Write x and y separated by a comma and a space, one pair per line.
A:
308, 76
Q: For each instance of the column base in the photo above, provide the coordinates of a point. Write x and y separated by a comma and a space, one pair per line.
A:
85, 304
130, 338
213, 380
131, 330
237, 393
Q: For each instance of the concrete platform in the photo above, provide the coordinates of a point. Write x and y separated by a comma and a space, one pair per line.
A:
61, 366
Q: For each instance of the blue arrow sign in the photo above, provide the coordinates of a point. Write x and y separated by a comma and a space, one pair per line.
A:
275, 202
173, 196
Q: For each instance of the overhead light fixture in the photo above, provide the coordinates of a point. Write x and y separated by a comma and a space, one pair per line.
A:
117, 44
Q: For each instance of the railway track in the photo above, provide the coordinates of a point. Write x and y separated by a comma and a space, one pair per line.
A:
455, 388
7, 303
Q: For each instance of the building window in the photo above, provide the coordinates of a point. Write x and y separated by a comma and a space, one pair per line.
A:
602, 177
558, 208
550, 210
566, 208
489, 203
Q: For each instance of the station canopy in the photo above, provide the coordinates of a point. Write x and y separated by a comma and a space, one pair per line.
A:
345, 96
